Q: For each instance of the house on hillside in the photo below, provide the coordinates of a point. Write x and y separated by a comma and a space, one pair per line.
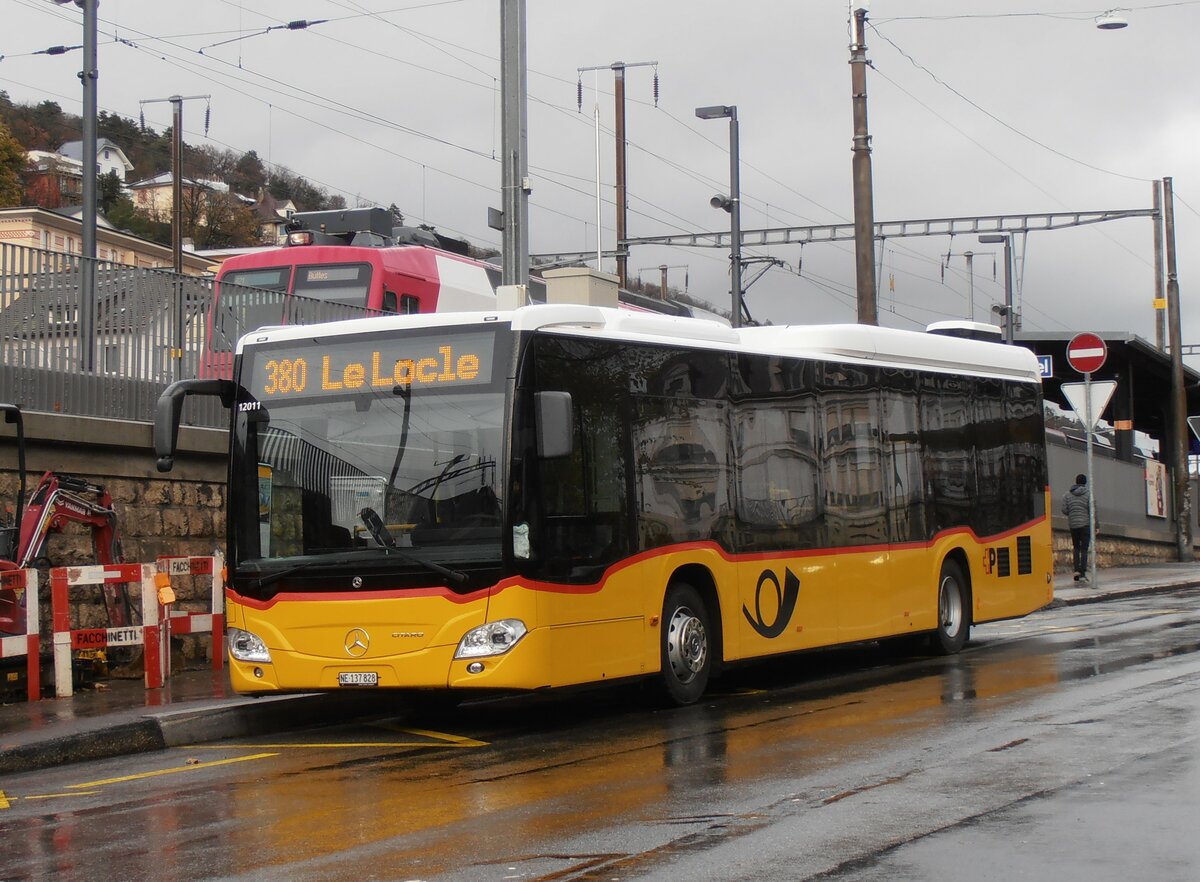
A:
53, 180
56, 179
273, 216
109, 157
156, 196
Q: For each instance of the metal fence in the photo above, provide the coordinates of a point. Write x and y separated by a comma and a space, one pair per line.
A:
110, 353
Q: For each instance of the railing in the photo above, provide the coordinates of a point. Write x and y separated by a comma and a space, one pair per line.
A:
110, 353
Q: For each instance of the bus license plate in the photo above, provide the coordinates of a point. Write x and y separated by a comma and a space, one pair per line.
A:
358, 678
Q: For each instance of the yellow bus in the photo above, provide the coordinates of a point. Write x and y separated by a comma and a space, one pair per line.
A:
567, 494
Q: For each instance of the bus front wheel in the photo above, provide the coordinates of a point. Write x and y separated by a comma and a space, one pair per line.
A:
686, 645
954, 610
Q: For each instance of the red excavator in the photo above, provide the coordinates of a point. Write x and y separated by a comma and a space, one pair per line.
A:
56, 501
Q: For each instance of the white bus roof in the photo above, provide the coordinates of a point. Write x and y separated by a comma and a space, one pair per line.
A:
844, 342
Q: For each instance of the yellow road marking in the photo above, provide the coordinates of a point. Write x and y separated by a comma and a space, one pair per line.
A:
443, 738
171, 771
440, 739
61, 795
6, 801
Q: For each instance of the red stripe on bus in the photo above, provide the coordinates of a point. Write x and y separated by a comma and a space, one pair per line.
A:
597, 586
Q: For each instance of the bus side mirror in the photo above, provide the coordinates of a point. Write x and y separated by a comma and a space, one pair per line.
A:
170, 409
555, 424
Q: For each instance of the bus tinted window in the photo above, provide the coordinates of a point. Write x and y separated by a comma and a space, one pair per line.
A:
336, 283
779, 500
851, 458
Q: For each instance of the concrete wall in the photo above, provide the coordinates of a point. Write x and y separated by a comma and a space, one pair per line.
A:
181, 512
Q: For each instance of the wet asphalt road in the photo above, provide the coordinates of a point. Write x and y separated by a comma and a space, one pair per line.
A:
1062, 746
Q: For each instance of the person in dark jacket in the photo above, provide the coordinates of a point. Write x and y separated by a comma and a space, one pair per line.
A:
1076, 506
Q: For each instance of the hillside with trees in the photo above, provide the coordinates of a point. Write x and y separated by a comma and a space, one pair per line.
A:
212, 218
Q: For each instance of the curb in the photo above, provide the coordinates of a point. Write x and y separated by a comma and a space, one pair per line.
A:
181, 727
1117, 594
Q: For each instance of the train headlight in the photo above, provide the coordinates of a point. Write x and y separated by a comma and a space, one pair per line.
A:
247, 647
494, 638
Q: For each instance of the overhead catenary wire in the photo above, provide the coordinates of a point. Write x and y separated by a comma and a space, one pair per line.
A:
564, 177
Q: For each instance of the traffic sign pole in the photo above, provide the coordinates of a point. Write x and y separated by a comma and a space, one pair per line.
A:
1087, 353
1089, 419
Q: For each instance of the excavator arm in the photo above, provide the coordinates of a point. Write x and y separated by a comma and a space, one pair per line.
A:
61, 499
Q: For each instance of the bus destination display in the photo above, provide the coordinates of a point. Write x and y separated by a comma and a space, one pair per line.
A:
306, 369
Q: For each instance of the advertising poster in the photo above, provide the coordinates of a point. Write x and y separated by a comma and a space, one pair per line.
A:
1156, 489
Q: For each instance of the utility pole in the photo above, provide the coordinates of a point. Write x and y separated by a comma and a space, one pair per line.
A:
662, 271
176, 102
732, 204
87, 269
864, 208
1160, 301
1179, 441
970, 258
1006, 239
514, 131
618, 69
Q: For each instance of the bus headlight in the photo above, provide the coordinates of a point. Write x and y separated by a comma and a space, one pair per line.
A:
494, 638
247, 647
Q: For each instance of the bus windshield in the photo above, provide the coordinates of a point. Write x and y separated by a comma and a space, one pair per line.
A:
381, 452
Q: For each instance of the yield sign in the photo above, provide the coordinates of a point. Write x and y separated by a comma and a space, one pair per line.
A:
1086, 353
1077, 396
1194, 425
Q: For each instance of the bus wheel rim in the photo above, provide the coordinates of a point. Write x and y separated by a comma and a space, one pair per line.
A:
950, 611
687, 645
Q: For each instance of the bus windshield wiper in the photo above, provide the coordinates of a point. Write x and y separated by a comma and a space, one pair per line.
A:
263, 581
380, 533
453, 576
405, 393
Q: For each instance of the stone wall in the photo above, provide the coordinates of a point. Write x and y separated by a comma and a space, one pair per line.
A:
178, 513
1114, 551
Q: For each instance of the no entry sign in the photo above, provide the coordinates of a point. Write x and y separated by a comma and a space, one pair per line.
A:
1086, 353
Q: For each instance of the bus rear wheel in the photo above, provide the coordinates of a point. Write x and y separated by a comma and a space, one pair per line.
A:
954, 610
686, 645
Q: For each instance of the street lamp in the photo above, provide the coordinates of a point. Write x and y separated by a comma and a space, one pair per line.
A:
731, 203
1006, 238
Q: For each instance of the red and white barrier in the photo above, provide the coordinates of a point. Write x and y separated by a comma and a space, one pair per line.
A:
211, 622
28, 644
149, 634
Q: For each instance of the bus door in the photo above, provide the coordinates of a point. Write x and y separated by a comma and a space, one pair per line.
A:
904, 493
853, 478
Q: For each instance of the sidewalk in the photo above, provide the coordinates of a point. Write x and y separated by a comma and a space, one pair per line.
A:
123, 717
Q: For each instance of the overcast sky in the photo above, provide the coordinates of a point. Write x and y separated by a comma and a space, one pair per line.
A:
977, 107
